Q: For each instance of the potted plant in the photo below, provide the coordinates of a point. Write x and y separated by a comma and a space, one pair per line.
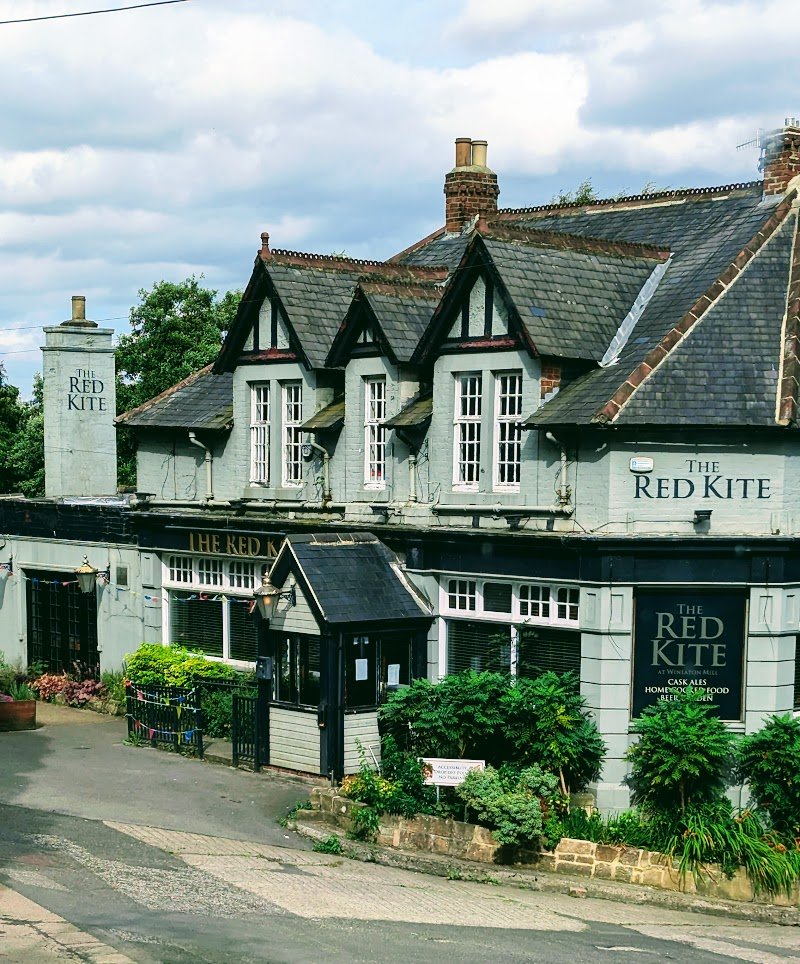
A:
18, 708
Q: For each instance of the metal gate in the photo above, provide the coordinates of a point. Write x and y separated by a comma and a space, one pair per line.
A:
62, 624
250, 731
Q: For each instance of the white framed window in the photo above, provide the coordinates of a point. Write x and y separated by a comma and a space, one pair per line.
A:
209, 571
462, 594
529, 602
242, 575
209, 605
534, 601
567, 599
467, 432
507, 430
375, 433
259, 433
180, 569
292, 433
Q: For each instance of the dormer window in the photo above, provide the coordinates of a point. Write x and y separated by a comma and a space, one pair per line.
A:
507, 430
467, 432
375, 433
292, 434
259, 433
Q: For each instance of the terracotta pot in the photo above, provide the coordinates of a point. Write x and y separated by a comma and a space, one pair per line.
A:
19, 715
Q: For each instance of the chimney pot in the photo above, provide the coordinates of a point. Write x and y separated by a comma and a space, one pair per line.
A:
479, 153
470, 189
79, 307
463, 151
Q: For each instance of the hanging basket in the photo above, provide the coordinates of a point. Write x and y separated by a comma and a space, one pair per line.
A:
19, 715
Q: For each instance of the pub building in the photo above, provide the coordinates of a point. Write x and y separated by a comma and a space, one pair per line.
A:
557, 437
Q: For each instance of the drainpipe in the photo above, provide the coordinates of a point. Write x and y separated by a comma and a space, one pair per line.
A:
412, 477
209, 460
562, 491
326, 471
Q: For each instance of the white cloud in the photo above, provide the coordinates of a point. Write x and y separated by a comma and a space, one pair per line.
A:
160, 143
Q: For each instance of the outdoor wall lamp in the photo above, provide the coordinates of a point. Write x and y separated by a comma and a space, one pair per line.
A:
88, 576
267, 595
702, 515
7, 568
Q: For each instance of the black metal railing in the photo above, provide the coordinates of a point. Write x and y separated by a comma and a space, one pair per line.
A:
165, 715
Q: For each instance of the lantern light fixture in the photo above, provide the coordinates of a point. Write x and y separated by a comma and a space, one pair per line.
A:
7, 568
87, 576
267, 595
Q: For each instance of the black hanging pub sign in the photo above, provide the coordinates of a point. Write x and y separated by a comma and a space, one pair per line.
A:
687, 638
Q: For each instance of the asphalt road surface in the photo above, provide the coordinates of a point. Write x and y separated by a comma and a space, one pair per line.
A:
110, 854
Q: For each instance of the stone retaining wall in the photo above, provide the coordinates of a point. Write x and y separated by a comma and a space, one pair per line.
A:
577, 857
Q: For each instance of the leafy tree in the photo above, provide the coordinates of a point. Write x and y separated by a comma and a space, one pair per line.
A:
548, 724
769, 762
584, 193
11, 415
176, 329
24, 456
684, 755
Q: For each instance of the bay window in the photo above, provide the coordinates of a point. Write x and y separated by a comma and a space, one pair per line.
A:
292, 434
259, 433
467, 432
375, 433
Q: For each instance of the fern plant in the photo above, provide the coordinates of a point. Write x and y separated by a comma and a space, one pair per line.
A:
683, 757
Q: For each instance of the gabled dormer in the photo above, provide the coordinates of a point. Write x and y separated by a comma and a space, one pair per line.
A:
374, 345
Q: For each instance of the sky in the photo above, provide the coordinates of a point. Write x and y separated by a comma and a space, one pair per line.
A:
157, 143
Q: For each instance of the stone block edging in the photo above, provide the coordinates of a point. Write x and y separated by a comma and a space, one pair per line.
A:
582, 858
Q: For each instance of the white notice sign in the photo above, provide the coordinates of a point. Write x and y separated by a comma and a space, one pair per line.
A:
362, 669
449, 773
393, 674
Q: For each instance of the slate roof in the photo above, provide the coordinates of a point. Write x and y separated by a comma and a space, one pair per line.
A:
415, 412
441, 249
705, 233
316, 300
351, 577
331, 416
403, 313
726, 370
570, 302
201, 401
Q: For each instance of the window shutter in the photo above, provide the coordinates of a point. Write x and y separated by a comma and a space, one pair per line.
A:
243, 638
544, 649
196, 624
478, 646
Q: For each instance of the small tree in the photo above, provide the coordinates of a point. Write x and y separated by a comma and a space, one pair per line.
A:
25, 455
769, 763
549, 725
684, 755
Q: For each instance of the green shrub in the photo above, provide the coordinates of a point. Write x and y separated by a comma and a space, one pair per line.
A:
548, 725
328, 845
769, 763
155, 665
21, 691
217, 713
499, 719
461, 716
684, 755
114, 683
514, 812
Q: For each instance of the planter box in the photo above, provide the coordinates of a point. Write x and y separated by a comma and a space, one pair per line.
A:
20, 715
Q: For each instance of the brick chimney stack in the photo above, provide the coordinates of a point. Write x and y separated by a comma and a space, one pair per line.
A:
470, 189
780, 159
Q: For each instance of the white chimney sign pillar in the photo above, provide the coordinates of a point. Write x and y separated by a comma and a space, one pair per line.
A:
80, 439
